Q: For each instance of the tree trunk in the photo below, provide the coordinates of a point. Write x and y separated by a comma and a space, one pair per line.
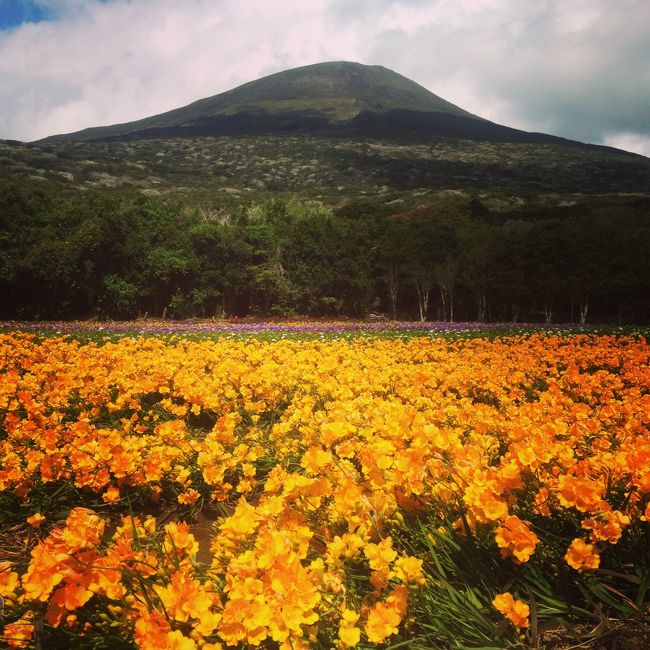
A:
548, 312
443, 298
482, 303
423, 301
392, 292
584, 308
515, 312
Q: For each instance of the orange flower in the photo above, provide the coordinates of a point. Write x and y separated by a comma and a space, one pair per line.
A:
516, 540
151, 629
582, 555
36, 520
8, 580
179, 540
606, 526
346, 546
484, 504
189, 497
582, 493
112, 495
316, 459
408, 569
176, 640
515, 610
336, 441
43, 573
83, 529
185, 598
542, 502
243, 521
384, 617
19, 634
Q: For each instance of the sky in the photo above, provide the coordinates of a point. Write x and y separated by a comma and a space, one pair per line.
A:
574, 68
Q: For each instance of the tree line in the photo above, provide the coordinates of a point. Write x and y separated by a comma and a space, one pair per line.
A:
95, 254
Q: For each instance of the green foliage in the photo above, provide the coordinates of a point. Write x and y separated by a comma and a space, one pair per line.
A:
120, 296
96, 254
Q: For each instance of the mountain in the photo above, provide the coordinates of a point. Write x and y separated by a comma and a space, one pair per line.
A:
335, 94
341, 99
326, 131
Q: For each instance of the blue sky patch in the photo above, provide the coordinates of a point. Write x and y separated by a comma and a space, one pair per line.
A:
14, 13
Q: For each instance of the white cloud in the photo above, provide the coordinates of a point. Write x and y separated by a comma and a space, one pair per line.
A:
107, 63
630, 142
578, 69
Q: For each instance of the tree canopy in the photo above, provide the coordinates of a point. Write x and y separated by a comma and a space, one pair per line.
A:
96, 255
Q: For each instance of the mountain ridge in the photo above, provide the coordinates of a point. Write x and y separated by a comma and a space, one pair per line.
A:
332, 91
337, 98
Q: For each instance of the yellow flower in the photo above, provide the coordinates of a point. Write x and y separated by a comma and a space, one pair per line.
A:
380, 555
349, 633
383, 621
408, 569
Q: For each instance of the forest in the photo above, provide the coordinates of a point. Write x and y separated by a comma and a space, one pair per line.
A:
103, 255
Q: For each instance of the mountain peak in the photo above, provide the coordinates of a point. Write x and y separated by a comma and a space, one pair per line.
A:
342, 89
332, 92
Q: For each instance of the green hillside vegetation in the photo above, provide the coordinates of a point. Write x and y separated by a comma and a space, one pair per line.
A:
213, 170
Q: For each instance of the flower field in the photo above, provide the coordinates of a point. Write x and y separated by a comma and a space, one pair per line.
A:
171, 493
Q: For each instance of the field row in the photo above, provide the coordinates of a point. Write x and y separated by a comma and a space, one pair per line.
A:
354, 487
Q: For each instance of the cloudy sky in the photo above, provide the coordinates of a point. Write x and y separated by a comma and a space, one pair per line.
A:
575, 68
